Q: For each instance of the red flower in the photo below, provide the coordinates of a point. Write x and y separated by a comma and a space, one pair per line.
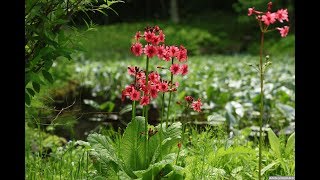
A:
135, 95
161, 36
145, 100
173, 51
161, 52
253, 11
131, 70
141, 75
136, 49
269, 18
269, 6
154, 77
189, 99
196, 105
137, 36
182, 54
176, 84
148, 36
282, 14
153, 91
155, 40
250, 11
175, 69
284, 31
184, 69
150, 51
179, 145
163, 87
126, 92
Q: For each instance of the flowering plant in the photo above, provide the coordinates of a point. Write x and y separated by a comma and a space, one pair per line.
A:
265, 20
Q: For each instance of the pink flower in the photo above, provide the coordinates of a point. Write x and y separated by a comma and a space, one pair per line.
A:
154, 77
136, 49
184, 69
166, 56
145, 100
189, 99
148, 36
131, 70
175, 69
253, 11
150, 51
141, 75
269, 18
284, 31
173, 51
182, 54
161, 52
282, 14
126, 92
161, 36
269, 6
135, 95
176, 84
250, 11
155, 40
153, 91
137, 36
163, 87
196, 105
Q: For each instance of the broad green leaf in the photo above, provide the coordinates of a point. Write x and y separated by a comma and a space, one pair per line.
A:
287, 111
31, 92
269, 166
155, 168
27, 98
92, 103
274, 143
109, 104
132, 140
126, 109
290, 144
48, 63
47, 76
104, 151
36, 86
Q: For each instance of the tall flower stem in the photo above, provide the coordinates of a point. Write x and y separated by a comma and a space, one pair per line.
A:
145, 108
261, 103
171, 83
161, 131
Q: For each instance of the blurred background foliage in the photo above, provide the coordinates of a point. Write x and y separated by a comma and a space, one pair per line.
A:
82, 94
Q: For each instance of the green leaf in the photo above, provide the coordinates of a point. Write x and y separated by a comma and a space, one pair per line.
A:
133, 140
109, 104
155, 168
91, 103
274, 143
126, 109
47, 76
269, 166
27, 99
36, 86
48, 63
290, 144
31, 92
105, 153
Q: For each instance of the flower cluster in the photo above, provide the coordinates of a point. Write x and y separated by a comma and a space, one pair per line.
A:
192, 103
143, 90
269, 18
155, 85
154, 38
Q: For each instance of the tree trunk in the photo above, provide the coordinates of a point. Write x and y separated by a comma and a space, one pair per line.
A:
174, 11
